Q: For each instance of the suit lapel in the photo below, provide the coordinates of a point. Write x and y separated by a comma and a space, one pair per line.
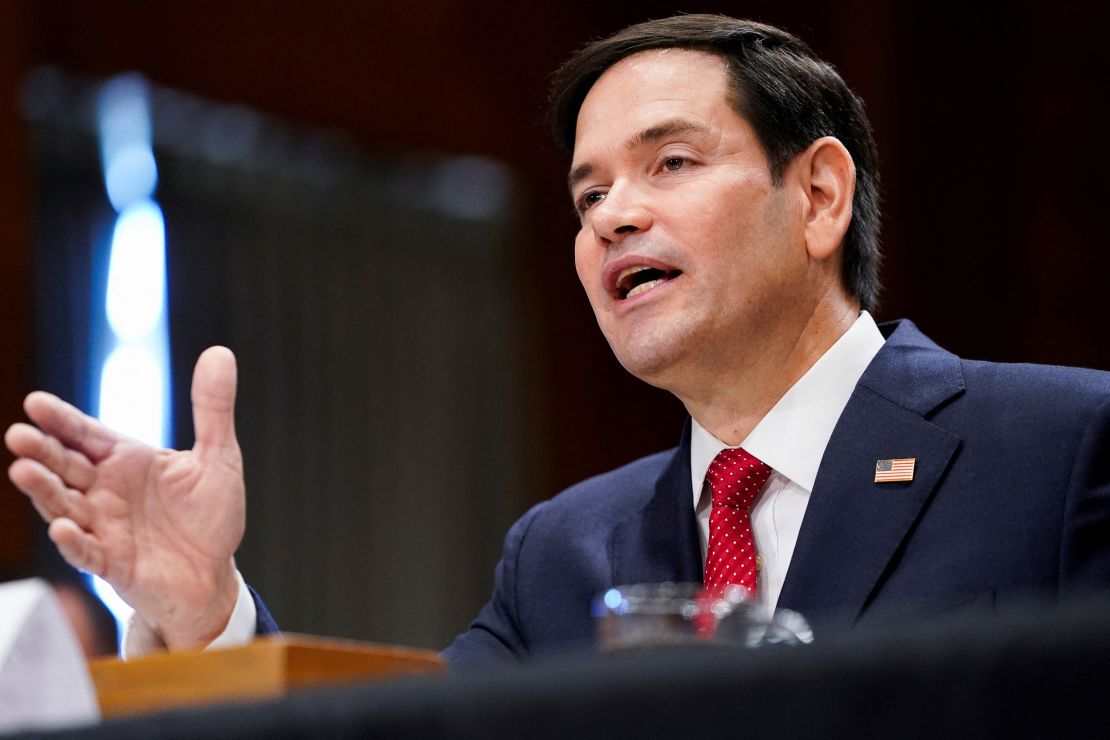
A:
853, 527
660, 541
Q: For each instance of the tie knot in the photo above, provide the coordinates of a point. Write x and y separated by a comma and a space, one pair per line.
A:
736, 478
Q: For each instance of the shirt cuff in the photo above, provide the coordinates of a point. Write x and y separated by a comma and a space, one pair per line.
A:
140, 640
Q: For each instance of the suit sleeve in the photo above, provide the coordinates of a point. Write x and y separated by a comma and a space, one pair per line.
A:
264, 624
1085, 549
495, 636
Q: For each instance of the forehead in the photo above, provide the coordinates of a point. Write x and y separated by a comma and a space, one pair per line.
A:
649, 86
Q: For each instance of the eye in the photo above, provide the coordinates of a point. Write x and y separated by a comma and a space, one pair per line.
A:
674, 164
589, 200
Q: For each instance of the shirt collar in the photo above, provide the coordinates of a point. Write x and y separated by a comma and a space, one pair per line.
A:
793, 435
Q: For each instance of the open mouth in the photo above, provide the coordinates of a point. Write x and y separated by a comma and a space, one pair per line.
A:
633, 281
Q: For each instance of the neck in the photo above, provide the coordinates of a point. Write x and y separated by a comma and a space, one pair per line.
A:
731, 397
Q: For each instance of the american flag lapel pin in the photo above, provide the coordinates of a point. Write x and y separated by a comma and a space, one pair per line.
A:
896, 470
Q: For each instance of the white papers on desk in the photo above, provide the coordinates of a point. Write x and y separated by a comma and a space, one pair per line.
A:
44, 680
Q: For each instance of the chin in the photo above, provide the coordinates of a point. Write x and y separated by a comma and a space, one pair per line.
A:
654, 348
652, 362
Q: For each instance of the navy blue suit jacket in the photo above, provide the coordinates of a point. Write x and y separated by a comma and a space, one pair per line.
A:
1010, 498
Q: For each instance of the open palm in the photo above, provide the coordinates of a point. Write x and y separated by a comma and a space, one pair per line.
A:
161, 526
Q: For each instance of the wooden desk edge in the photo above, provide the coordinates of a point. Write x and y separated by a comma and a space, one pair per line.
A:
268, 667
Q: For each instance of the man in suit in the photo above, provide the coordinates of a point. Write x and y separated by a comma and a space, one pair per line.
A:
725, 180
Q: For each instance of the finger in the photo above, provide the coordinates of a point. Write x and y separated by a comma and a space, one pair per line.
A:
50, 496
75, 429
74, 468
214, 381
78, 547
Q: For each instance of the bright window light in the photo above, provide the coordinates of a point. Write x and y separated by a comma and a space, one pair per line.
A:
130, 175
137, 272
132, 393
134, 379
123, 119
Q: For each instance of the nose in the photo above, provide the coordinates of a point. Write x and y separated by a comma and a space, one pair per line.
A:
622, 213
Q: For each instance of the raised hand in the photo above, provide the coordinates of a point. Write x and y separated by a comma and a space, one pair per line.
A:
161, 526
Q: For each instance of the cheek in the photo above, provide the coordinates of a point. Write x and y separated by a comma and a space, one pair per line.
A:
585, 261
588, 263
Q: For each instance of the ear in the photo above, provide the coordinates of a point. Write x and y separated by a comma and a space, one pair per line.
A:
827, 175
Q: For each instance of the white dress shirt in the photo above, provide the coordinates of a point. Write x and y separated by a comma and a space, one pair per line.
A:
791, 439
138, 640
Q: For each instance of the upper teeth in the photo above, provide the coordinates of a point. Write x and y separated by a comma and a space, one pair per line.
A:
630, 271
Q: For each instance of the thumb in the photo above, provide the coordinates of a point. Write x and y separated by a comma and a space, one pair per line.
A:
214, 381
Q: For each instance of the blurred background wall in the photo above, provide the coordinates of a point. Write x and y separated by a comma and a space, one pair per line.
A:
403, 364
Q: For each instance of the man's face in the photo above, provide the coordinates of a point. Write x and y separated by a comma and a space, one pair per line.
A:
689, 254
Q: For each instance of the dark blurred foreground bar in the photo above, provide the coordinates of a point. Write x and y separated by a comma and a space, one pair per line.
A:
1028, 673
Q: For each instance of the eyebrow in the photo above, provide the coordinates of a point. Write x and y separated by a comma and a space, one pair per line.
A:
649, 135
673, 127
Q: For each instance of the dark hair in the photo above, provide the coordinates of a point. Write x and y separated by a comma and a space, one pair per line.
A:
790, 97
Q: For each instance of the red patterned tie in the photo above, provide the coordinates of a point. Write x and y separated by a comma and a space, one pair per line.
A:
736, 478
